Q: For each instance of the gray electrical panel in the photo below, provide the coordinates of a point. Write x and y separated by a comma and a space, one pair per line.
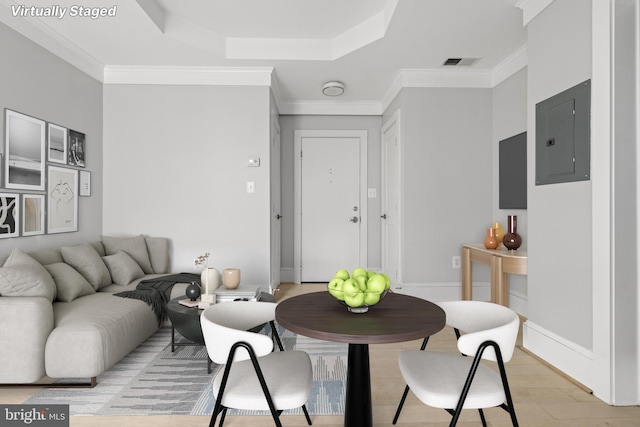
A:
563, 136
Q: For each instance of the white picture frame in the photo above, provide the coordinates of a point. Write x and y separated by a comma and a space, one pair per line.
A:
62, 200
33, 213
57, 143
24, 152
9, 215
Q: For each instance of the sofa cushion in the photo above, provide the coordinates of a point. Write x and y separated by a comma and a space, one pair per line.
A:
23, 276
123, 268
87, 261
69, 282
136, 247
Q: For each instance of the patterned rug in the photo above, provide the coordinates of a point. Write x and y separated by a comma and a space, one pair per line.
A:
152, 380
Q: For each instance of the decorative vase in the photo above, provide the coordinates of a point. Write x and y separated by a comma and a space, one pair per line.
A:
491, 241
192, 291
512, 239
499, 232
231, 278
210, 280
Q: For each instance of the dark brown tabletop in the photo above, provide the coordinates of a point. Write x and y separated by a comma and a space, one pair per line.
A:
397, 318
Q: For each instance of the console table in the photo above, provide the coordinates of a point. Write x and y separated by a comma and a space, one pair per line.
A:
502, 262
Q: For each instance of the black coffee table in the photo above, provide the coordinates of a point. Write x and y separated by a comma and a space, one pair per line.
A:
186, 320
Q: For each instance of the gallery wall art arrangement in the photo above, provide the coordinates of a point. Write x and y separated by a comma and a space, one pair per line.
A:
40, 180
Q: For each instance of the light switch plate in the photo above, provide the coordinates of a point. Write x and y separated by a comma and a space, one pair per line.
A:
372, 193
254, 162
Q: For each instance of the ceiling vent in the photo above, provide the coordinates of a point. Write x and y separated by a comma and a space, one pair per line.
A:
460, 62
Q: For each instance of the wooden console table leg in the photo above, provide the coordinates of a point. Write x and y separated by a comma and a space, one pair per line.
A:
467, 282
499, 283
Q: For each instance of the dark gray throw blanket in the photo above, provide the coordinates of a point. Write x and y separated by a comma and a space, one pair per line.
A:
156, 292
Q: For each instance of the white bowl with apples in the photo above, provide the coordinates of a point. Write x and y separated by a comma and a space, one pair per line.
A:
359, 290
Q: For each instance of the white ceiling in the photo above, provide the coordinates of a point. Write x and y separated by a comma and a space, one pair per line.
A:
373, 46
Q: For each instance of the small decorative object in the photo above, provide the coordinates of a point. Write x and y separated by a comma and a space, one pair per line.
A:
512, 239
231, 278
192, 291
499, 231
209, 279
491, 241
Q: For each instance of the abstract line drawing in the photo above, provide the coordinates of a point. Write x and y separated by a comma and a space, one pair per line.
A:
9, 214
62, 201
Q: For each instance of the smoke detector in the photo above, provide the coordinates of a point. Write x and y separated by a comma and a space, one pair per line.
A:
333, 89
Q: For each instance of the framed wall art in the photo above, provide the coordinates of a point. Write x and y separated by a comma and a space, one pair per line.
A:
62, 200
9, 215
57, 143
32, 214
76, 148
24, 152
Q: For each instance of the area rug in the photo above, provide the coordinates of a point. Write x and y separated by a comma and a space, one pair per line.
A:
152, 380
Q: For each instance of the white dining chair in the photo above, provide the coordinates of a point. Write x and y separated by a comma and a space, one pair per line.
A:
463, 381
253, 376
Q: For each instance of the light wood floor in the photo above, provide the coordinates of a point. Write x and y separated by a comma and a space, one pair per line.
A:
541, 396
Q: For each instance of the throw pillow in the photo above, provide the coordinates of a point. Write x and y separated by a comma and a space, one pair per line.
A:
69, 282
135, 247
87, 261
123, 268
23, 276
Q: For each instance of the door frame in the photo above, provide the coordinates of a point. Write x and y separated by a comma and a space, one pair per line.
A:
393, 120
297, 184
275, 202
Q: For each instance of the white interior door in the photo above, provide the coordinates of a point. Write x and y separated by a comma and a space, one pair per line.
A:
331, 208
391, 206
275, 212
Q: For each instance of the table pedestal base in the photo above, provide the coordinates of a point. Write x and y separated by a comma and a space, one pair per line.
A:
357, 408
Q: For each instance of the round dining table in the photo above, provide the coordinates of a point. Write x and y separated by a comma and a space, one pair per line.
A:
396, 318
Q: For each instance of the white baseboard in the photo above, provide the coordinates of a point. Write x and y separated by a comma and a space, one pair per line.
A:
451, 291
447, 291
575, 361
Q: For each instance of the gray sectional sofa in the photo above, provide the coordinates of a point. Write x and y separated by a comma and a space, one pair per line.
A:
58, 315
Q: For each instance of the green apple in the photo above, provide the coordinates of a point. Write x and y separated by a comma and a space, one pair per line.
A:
350, 288
359, 272
356, 300
370, 273
342, 274
388, 279
362, 282
335, 288
371, 298
377, 283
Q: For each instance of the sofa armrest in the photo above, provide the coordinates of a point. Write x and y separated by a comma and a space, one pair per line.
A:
25, 325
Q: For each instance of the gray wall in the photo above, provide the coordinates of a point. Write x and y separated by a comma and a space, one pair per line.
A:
289, 124
37, 83
176, 166
626, 140
560, 233
509, 119
447, 175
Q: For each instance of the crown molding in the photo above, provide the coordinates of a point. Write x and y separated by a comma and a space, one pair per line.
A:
35, 30
531, 9
514, 63
215, 76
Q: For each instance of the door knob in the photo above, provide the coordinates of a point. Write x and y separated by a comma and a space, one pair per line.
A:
353, 219
278, 216
384, 216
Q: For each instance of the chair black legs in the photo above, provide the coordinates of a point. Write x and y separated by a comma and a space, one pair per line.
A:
306, 414
404, 396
